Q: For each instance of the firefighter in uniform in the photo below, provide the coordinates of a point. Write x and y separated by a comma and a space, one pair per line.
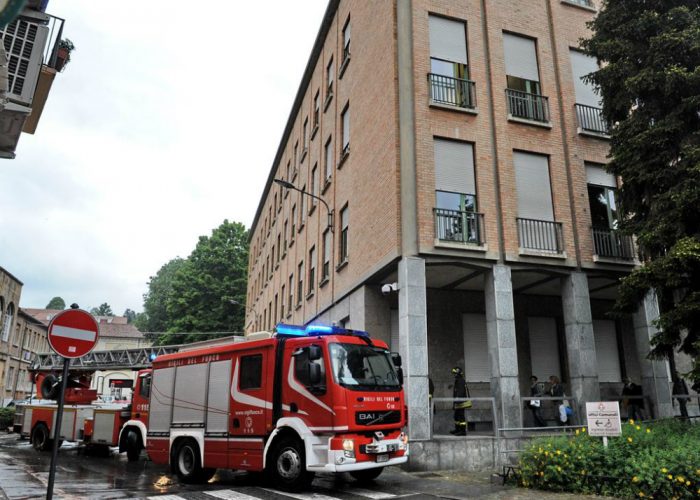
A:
459, 391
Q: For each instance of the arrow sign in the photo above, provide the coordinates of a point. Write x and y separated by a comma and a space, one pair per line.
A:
73, 333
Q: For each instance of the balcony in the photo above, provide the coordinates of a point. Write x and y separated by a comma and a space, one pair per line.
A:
540, 235
450, 91
610, 243
456, 226
525, 106
590, 119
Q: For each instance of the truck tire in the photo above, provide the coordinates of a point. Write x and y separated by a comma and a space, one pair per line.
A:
133, 446
286, 466
40, 437
367, 475
188, 463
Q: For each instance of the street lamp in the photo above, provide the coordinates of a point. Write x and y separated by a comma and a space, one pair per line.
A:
289, 185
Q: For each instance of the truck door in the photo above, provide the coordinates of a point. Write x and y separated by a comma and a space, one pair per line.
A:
140, 397
251, 407
306, 391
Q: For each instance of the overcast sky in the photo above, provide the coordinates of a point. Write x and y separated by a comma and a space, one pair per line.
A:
164, 123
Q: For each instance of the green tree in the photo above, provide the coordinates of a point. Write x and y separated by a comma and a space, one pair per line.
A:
104, 310
155, 316
210, 285
56, 303
650, 84
129, 315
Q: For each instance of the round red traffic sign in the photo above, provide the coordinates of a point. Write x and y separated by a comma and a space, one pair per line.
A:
73, 333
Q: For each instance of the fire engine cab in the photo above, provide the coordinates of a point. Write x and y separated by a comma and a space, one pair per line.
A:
299, 401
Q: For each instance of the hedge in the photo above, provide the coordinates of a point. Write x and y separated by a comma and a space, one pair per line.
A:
659, 460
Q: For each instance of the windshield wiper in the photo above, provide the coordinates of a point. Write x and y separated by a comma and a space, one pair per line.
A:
380, 418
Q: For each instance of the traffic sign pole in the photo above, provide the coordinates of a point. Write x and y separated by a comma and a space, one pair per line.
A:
57, 429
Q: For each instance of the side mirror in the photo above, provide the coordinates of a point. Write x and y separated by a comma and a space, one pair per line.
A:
314, 374
315, 352
399, 373
396, 358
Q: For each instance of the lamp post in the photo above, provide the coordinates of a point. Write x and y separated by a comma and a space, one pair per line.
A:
255, 313
289, 185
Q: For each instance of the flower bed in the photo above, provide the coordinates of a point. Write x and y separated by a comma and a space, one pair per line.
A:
660, 460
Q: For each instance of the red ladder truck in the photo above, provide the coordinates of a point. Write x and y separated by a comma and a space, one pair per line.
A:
304, 400
85, 420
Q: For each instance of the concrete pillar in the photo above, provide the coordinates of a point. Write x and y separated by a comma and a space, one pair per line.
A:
413, 344
580, 341
503, 351
654, 373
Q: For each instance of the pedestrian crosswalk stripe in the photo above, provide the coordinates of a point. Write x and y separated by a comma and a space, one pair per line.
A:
370, 494
302, 496
166, 497
230, 495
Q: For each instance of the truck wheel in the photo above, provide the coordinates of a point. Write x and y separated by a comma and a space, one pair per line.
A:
40, 437
287, 466
367, 475
133, 446
188, 463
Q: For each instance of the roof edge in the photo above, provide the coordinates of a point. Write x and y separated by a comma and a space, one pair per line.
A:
2, 269
305, 80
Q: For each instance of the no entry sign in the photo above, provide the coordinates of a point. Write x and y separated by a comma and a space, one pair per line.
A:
73, 333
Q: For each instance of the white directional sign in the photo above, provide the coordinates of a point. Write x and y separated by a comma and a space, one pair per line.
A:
603, 418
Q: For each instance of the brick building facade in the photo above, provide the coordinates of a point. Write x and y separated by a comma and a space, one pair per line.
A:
461, 156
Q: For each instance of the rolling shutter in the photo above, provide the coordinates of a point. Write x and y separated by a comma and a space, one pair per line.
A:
520, 57
581, 65
190, 393
532, 183
544, 347
597, 175
477, 367
161, 400
606, 351
454, 167
447, 39
218, 399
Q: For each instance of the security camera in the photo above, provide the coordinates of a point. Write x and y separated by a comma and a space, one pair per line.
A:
389, 287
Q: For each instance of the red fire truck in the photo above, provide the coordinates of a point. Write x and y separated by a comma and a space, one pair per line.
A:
303, 400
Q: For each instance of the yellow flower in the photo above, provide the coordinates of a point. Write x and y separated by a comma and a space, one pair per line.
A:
541, 473
687, 483
664, 470
648, 431
680, 479
577, 432
697, 472
583, 430
641, 494
635, 479
558, 452
638, 428
670, 477
558, 469
629, 440
631, 421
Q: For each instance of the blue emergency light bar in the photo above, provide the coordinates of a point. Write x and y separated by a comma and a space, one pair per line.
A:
315, 330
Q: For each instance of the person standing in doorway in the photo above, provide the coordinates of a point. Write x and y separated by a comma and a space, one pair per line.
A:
633, 400
680, 388
556, 390
459, 392
535, 405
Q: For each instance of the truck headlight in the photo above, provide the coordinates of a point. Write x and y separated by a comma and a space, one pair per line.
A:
348, 445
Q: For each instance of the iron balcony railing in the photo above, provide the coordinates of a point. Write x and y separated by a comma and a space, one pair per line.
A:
452, 91
533, 107
458, 226
612, 243
541, 235
591, 119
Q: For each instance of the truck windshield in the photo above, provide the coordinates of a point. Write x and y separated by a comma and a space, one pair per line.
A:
362, 367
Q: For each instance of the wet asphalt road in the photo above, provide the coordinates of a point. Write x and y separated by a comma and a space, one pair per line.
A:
24, 475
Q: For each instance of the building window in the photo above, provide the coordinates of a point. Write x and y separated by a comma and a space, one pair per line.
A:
7, 325
305, 139
344, 224
279, 247
325, 271
10, 378
294, 227
289, 178
314, 187
345, 121
588, 106
282, 299
329, 82
284, 243
302, 211
274, 311
317, 112
523, 93
346, 47
449, 68
300, 282
312, 269
328, 155
296, 157
536, 227
290, 301
456, 217
602, 199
